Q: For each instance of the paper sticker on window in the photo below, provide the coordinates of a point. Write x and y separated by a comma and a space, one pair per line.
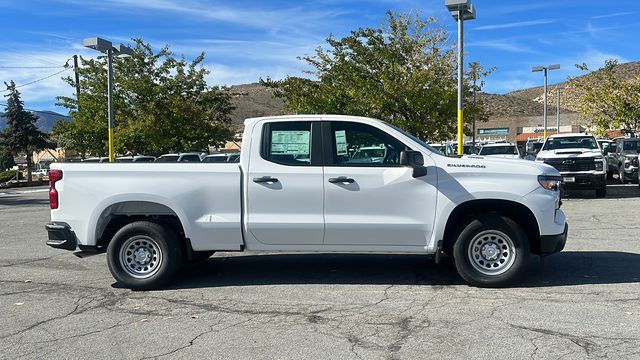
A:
341, 142
294, 142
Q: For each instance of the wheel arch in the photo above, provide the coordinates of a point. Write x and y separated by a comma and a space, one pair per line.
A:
465, 212
117, 214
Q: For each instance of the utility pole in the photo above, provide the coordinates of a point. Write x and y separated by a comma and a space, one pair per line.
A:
545, 69
474, 106
75, 70
558, 88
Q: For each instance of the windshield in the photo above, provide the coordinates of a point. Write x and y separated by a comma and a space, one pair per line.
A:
579, 142
631, 146
499, 150
420, 142
171, 158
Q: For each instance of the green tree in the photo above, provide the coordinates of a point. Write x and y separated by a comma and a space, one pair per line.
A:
22, 134
403, 72
161, 104
607, 99
6, 158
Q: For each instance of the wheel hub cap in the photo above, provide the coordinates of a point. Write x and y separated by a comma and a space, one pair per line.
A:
490, 251
142, 256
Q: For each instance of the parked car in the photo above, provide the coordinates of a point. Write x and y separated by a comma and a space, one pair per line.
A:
579, 160
96, 159
621, 158
137, 158
445, 148
503, 150
292, 192
182, 157
40, 173
222, 158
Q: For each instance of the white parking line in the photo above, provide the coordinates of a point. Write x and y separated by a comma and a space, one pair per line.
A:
23, 192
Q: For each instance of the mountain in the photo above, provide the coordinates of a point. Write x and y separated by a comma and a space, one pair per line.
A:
46, 120
254, 100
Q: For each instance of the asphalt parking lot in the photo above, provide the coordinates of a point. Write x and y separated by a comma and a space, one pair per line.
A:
583, 303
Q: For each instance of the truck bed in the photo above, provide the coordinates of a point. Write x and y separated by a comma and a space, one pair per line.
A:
205, 198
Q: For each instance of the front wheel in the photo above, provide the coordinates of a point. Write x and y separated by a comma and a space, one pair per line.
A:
143, 255
601, 192
491, 251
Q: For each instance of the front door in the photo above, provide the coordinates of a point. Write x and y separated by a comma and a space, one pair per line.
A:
285, 184
370, 199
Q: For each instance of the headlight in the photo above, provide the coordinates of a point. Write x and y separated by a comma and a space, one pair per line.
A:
550, 182
599, 165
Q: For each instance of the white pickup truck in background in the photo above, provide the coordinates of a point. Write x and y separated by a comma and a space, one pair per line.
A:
299, 187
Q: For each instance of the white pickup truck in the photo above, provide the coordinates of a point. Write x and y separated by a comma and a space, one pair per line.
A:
298, 188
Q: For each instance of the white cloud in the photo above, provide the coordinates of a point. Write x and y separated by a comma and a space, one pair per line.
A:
515, 24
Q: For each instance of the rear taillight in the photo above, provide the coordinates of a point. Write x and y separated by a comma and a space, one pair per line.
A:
54, 176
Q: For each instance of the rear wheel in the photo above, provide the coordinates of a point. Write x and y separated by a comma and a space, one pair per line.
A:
491, 251
143, 255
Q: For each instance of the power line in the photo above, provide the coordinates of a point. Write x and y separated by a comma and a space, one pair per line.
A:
31, 67
44, 78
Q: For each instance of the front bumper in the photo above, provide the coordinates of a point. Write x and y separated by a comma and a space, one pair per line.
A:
584, 180
61, 236
550, 244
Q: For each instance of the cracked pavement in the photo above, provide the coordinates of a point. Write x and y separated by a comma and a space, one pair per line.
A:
583, 303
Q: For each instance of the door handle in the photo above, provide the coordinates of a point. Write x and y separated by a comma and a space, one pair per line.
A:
341, 180
265, 179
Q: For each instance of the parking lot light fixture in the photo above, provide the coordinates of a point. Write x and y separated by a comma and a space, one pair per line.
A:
105, 46
461, 10
546, 69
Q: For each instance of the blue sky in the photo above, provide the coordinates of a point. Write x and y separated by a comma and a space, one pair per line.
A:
246, 40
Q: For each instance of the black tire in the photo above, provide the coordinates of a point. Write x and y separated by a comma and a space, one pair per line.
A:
602, 192
153, 257
491, 232
200, 256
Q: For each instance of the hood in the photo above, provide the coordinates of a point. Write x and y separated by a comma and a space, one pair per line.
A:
502, 156
574, 152
482, 164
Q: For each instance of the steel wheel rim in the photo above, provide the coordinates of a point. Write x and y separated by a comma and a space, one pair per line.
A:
140, 256
492, 252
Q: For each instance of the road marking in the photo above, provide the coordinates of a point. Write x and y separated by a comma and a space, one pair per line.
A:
23, 192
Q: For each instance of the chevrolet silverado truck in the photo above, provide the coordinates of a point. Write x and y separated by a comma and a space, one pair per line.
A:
623, 159
298, 188
579, 159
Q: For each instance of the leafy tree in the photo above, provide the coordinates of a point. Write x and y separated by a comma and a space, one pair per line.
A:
6, 158
22, 134
161, 104
607, 99
403, 72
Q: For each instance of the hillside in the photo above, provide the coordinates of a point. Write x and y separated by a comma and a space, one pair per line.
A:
256, 100
46, 120
569, 96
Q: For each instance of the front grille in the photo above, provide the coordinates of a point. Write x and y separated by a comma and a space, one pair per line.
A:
576, 164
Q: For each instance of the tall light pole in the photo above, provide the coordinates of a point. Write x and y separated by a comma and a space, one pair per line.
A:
558, 88
461, 10
105, 46
545, 69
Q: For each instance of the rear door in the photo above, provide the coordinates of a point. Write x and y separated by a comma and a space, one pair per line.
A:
285, 184
369, 198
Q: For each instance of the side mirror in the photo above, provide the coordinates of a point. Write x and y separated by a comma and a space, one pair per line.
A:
415, 160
